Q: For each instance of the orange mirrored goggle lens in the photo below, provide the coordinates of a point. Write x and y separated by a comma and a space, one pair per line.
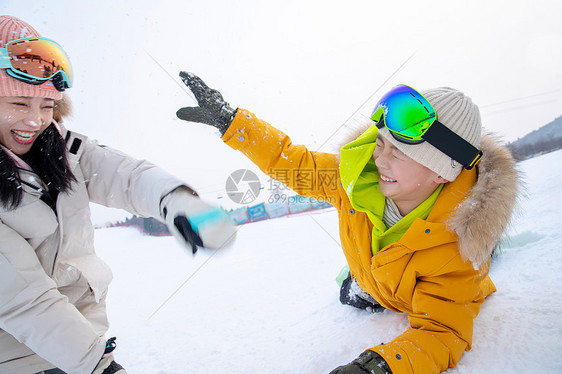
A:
38, 57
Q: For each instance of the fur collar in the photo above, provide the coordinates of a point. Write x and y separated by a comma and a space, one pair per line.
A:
481, 220
63, 108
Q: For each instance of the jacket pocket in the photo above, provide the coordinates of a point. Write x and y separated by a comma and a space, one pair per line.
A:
94, 270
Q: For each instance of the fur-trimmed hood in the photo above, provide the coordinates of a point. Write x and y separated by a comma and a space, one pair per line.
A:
481, 219
63, 108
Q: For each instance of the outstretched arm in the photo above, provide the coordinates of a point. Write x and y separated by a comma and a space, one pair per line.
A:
116, 180
313, 174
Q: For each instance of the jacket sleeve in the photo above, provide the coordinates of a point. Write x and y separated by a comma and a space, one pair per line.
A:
117, 180
312, 174
35, 313
444, 307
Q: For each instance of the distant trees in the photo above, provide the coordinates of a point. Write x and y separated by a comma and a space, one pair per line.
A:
525, 151
148, 226
546, 139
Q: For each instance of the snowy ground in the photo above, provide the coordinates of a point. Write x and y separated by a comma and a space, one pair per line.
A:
270, 303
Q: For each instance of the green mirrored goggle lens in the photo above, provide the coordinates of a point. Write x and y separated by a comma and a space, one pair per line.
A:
405, 112
411, 119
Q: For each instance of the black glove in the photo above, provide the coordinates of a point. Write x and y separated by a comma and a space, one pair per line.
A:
212, 109
352, 294
368, 362
107, 364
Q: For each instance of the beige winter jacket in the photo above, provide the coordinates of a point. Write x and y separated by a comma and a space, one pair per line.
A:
52, 284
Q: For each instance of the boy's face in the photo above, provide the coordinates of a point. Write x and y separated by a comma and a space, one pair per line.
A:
402, 179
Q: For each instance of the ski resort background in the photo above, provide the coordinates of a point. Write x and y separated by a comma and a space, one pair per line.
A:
270, 303
282, 201
294, 204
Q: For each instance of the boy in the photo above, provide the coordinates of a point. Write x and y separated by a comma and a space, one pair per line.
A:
418, 220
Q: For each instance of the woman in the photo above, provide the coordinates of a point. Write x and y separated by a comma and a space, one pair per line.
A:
52, 285
423, 199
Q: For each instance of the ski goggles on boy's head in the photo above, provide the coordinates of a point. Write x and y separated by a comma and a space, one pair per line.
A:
35, 60
411, 119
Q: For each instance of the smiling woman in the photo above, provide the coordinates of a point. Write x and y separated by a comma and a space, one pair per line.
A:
22, 120
27, 130
53, 287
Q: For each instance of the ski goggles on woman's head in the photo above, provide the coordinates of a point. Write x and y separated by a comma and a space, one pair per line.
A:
411, 119
35, 60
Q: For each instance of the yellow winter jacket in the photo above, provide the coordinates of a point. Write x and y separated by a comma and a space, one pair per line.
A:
436, 272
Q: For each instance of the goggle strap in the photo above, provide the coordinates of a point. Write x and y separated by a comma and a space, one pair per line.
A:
454, 146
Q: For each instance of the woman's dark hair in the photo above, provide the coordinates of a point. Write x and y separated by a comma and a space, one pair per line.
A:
47, 158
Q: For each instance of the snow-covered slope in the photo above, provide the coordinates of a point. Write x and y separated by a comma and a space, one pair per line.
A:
270, 303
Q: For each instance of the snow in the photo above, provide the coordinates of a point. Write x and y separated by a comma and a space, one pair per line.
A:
270, 302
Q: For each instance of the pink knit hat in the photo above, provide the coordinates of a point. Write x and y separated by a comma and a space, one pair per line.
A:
12, 28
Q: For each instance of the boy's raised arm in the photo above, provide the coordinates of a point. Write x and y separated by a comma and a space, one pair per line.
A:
312, 174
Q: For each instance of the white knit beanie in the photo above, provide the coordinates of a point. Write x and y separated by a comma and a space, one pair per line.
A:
456, 111
12, 28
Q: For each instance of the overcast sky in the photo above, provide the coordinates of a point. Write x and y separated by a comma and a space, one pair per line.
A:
311, 68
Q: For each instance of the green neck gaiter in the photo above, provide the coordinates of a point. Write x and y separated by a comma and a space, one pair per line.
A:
360, 179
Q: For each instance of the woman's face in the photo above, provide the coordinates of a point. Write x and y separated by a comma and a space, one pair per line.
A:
22, 119
402, 179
